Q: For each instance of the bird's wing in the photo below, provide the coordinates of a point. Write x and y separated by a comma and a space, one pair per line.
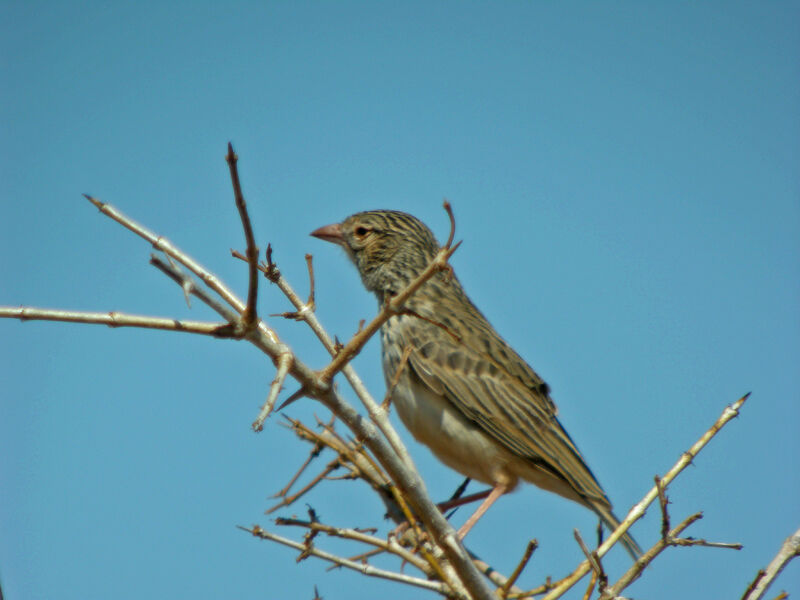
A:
516, 416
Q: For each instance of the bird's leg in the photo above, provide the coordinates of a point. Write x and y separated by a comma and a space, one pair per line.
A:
496, 492
455, 502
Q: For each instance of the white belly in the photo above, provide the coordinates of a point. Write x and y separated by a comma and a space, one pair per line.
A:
453, 439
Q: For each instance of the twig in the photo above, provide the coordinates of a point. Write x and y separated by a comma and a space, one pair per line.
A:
270, 270
369, 470
449, 209
526, 556
311, 304
256, 336
187, 285
638, 510
361, 557
378, 416
662, 502
541, 589
315, 452
164, 245
347, 451
590, 588
396, 379
284, 362
764, 578
359, 536
112, 319
633, 573
594, 560
249, 315
364, 569
690, 541
287, 500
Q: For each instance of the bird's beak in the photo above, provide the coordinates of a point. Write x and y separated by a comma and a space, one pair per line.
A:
330, 233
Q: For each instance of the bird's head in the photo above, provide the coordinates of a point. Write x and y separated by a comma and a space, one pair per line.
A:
389, 248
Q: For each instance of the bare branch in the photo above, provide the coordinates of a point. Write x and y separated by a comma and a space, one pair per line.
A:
284, 362
638, 510
112, 319
633, 573
590, 588
249, 315
378, 416
287, 500
448, 559
164, 245
594, 561
315, 451
390, 546
311, 304
662, 502
187, 285
526, 556
364, 569
764, 578
452, 218
396, 379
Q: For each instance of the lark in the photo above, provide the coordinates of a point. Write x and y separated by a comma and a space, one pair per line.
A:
463, 392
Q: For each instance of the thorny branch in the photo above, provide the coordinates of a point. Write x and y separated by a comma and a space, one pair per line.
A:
164, 245
638, 510
364, 569
386, 467
391, 546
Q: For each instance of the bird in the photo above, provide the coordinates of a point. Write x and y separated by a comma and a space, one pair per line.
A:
461, 390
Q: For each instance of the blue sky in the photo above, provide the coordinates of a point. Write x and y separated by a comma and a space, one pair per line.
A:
625, 181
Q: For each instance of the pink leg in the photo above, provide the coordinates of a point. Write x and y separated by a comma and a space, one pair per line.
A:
496, 492
443, 506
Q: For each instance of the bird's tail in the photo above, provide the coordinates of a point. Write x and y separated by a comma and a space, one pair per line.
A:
612, 522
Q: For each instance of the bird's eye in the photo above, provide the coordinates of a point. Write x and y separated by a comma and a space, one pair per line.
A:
361, 231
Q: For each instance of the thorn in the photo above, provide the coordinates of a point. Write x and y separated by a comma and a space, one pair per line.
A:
296, 396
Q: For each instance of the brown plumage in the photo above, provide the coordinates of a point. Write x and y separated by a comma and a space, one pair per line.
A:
465, 393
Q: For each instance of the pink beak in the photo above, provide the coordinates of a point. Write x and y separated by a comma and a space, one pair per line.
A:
330, 233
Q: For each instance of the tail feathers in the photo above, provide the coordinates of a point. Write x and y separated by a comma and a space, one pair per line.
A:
611, 521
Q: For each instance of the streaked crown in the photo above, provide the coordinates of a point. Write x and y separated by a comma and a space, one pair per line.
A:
389, 248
